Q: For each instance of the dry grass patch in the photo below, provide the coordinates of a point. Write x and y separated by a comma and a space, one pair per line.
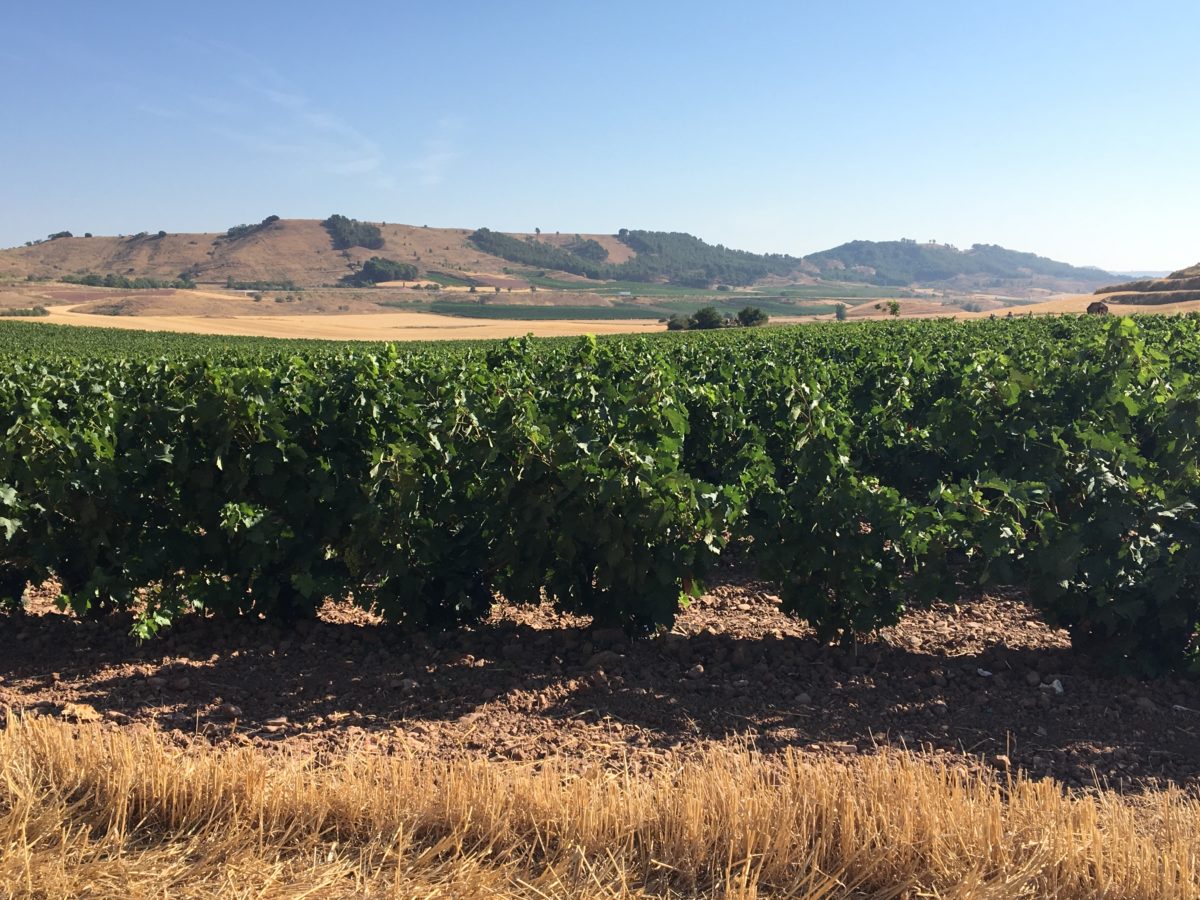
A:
89, 812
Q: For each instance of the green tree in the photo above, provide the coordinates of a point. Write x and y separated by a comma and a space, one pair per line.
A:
751, 316
348, 233
377, 269
894, 307
706, 318
839, 312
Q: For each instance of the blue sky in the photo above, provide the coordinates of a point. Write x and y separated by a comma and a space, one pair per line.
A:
1067, 128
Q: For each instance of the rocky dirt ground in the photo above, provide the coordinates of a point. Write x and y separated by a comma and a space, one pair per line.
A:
986, 683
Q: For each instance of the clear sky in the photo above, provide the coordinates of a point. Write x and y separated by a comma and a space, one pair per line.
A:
1071, 129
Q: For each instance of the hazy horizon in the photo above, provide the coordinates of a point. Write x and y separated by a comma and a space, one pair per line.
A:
1066, 132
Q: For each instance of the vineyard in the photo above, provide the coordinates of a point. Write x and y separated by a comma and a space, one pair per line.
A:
865, 470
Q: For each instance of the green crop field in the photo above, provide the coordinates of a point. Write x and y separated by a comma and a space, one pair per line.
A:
864, 468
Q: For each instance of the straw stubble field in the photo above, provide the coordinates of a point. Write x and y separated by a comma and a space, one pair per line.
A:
90, 813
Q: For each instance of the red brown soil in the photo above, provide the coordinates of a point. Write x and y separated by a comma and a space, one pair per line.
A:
974, 682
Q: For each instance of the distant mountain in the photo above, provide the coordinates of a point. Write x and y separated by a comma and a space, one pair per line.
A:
906, 262
1143, 273
1177, 287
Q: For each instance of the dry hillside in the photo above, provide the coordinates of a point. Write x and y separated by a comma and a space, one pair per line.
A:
297, 250
1181, 286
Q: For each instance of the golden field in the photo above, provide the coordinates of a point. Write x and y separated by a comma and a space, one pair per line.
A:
89, 812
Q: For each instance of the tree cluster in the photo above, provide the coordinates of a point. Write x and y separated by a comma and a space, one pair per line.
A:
347, 233
241, 231
709, 317
684, 259
91, 279
285, 284
588, 248
539, 254
661, 256
907, 262
377, 269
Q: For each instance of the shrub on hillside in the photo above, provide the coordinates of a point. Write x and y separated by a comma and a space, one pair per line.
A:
241, 231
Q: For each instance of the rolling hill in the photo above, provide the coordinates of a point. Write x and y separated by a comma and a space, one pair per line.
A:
907, 262
295, 250
1177, 287
310, 253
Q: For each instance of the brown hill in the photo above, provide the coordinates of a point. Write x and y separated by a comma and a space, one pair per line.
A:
297, 250
1153, 291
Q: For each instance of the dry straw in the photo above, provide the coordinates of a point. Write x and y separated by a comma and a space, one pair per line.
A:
89, 812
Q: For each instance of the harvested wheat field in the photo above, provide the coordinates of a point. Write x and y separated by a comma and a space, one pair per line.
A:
88, 813
397, 326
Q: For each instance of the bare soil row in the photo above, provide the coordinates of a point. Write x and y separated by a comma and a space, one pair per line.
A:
985, 683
